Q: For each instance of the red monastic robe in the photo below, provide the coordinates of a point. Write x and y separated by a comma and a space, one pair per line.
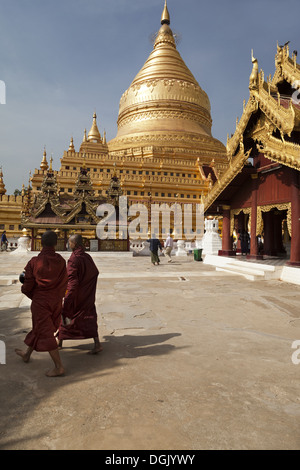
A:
45, 283
79, 303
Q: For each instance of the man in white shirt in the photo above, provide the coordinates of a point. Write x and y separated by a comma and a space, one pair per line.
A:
169, 247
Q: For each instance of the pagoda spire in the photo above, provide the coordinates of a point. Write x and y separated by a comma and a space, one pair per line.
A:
2, 185
44, 163
94, 134
165, 17
71, 146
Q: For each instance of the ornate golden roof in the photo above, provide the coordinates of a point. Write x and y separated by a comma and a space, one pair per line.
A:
164, 98
276, 118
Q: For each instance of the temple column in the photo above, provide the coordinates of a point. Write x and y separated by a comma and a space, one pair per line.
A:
295, 241
253, 238
226, 237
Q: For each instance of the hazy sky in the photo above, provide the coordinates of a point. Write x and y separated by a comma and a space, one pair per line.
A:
63, 59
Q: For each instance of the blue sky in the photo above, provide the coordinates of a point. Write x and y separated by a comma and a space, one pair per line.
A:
63, 59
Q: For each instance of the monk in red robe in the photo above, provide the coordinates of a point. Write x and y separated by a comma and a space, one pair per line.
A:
79, 311
45, 284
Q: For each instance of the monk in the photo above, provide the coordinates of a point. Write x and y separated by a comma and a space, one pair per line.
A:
45, 284
79, 312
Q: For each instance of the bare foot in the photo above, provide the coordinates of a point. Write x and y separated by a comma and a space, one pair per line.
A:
24, 355
96, 350
56, 372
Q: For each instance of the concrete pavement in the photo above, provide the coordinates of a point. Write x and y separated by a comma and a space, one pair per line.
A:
193, 359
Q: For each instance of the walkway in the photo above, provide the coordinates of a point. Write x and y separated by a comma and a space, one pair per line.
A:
193, 359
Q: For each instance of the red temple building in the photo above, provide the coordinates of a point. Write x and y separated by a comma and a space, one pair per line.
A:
259, 193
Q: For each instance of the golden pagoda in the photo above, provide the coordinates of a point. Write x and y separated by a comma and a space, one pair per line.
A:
164, 105
163, 147
164, 128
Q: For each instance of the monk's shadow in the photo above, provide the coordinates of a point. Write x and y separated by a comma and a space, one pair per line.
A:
140, 345
116, 348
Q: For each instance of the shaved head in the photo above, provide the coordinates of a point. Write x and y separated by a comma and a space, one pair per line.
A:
49, 238
76, 240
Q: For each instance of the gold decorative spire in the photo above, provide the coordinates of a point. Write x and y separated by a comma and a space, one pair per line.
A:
29, 183
253, 79
83, 165
2, 185
50, 167
71, 146
84, 136
94, 134
44, 163
165, 17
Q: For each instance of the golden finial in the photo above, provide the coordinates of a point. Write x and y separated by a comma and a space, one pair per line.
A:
71, 146
83, 165
51, 160
104, 137
94, 134
253, 80
269, 80
84, 136
2, 185
165, 17
29, 181
44, 163
23, 190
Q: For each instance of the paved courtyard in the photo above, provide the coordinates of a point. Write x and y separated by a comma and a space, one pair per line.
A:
193, 359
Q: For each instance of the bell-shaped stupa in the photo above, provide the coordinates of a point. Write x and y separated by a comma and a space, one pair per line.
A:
165, 105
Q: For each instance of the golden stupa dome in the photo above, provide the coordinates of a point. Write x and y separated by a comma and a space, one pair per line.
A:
164, 97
